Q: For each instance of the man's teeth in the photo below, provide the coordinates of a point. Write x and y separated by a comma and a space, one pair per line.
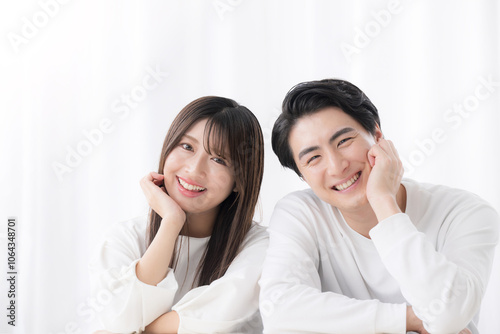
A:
190, 187
348, 183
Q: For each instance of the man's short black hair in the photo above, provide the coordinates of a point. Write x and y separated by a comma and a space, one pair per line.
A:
312, 96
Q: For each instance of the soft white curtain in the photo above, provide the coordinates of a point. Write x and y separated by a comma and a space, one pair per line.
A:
89, 88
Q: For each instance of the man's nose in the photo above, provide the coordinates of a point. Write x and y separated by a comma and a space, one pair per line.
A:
337, 164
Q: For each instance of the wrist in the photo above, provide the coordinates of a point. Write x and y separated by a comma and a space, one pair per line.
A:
411, 323
173, 223
384, 206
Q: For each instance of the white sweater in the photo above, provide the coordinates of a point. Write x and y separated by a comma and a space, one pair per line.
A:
228, 305
320, 276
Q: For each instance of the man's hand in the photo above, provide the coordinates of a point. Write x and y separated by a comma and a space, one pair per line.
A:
413, 323
385, 179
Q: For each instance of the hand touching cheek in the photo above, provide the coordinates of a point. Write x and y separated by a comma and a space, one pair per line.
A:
159, 200
385, 178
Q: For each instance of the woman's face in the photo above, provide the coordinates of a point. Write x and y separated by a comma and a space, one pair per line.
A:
196, 180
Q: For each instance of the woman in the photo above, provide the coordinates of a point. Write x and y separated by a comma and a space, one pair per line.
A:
195, 268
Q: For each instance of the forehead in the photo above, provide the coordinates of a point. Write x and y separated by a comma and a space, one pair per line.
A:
197, 130
212, 136
320, 123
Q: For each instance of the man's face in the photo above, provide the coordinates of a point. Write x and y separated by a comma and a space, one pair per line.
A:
330, 149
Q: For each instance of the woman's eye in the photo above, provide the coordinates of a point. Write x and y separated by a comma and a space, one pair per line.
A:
219, 161
187, 147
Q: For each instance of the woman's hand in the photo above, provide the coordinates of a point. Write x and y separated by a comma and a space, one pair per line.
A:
165, 323
385, 178
158, 199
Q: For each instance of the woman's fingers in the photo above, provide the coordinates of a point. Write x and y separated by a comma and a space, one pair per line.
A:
151, 186
158, 198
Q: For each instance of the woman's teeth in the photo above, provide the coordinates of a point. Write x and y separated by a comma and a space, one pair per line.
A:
190, 187
346, 185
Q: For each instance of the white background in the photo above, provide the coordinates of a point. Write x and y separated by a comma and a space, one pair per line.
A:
66, 65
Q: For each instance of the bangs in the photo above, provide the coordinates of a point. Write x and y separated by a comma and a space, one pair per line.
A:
216, 137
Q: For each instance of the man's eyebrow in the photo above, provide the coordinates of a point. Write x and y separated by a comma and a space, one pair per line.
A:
339, 133
307, 150
332, 139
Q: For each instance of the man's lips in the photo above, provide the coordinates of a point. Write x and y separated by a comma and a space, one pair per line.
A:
347, 183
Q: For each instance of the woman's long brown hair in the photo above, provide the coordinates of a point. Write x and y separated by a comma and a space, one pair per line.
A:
234, 127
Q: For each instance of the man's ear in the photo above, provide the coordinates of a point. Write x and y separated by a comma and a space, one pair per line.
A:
378, 133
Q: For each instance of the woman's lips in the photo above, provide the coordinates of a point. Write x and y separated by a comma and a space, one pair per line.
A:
188, 189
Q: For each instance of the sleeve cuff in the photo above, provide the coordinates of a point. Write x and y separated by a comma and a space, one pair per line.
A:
391, 318
390, 231
169, 282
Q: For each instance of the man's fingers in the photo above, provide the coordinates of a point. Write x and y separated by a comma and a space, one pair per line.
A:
388, 147
392, 153
375, 152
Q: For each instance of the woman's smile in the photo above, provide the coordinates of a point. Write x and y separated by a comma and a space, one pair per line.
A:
189, 189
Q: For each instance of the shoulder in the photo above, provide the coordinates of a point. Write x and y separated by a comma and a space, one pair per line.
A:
457, 206
129, 232
123, 243
300, 214
302, 200
443, 195
301, 206
136, 225
256, 235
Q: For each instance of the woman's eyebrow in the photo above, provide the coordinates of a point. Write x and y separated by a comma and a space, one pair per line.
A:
190, 137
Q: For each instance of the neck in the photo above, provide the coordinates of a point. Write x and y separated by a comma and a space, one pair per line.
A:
363, 219
200, 225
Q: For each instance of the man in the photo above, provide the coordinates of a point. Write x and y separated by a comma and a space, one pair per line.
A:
363, 250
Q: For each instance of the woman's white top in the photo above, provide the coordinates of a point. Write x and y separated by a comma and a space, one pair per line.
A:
321, 276
228, 305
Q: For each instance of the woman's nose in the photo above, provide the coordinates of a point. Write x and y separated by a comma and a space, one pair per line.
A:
196, 165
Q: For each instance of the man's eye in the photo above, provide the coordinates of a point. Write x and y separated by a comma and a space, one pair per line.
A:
311, 159
344, 140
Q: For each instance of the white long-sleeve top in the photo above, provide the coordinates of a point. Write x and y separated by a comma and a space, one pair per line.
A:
228, 305
320, 276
